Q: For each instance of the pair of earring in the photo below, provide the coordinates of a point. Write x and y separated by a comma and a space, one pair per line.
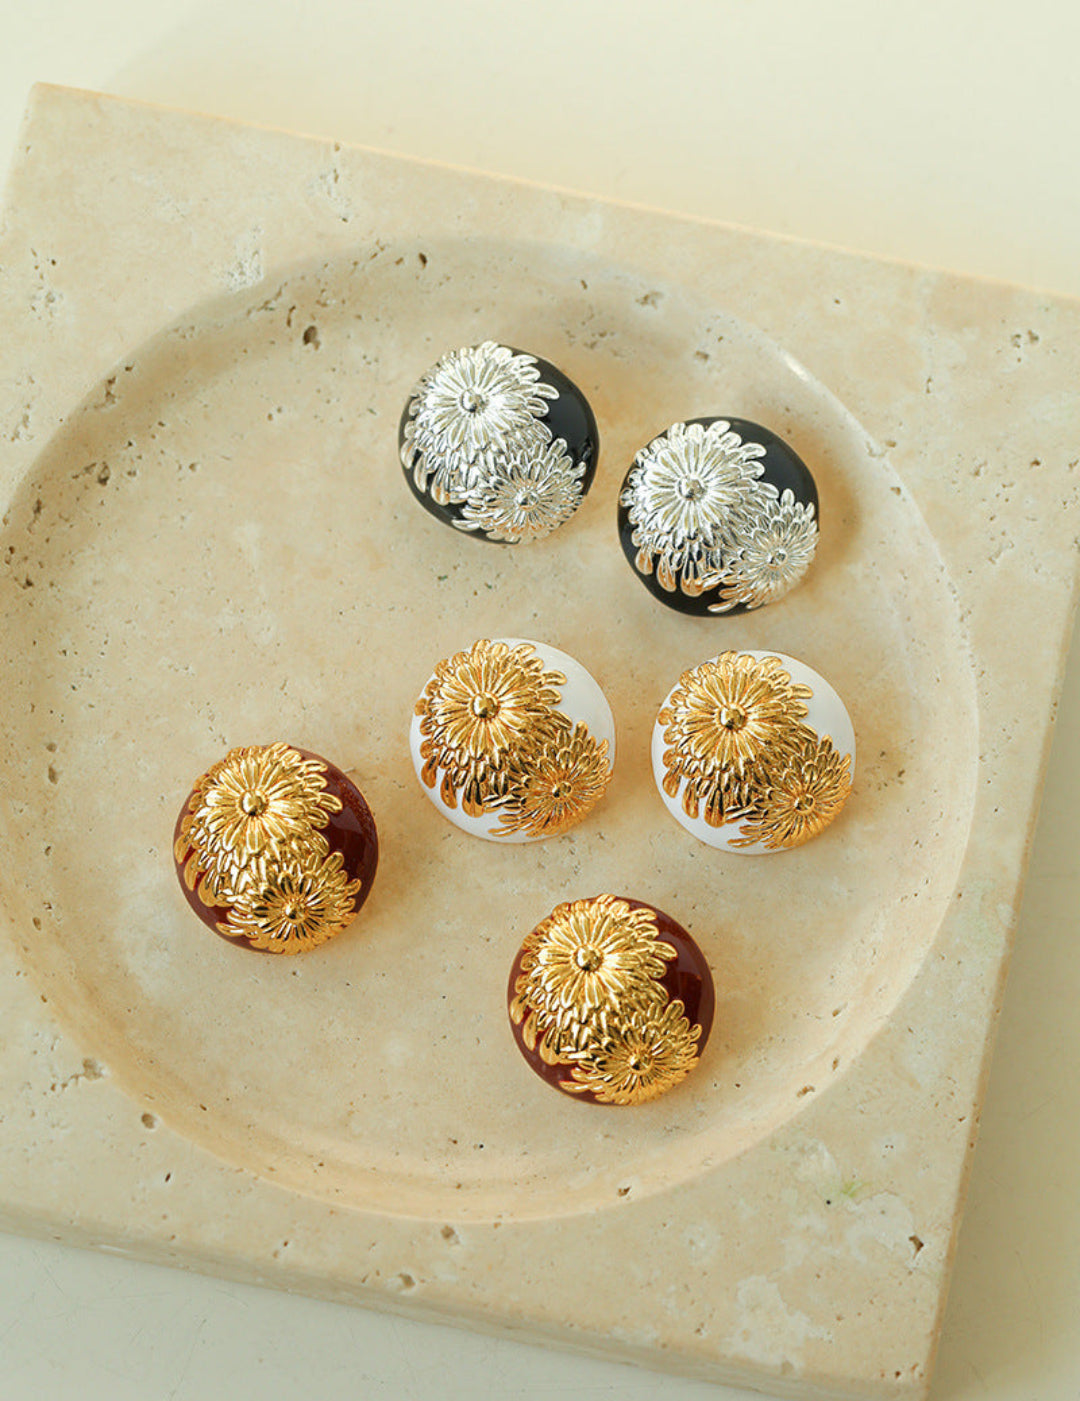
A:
716, 515
609, 1000
515, 741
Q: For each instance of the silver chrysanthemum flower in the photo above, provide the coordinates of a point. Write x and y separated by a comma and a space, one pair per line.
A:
774, 551
525, 495
687, 493
473, 406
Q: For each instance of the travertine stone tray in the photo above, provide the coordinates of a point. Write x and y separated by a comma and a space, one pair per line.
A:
210, 331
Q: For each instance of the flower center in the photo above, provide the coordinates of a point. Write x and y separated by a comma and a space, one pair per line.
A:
562, 788
732, 717
253, 804
804, 802
485, 707
292, 912
691, 488
525, 498
588, 959
640, 1063
777, 559
473, 402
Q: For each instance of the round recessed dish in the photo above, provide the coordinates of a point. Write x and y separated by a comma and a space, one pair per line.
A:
296, 601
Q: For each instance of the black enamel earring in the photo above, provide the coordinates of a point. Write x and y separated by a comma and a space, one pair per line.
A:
718, 515
498, 443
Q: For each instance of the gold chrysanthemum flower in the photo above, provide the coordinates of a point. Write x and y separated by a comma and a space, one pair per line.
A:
589, 958
726, 713
648, 1054
297, 906
257, 803
801, 797
554, 786
723, 719
475, 709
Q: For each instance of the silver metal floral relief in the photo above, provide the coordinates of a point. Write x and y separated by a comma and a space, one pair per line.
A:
775, 550
702, 517
530, 494
476, 436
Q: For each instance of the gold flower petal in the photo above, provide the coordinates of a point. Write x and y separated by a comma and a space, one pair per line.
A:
717, 797
651, 1051
251, 806
298, 906
802, 796
730, 713
478, 707
587, 960
552, 788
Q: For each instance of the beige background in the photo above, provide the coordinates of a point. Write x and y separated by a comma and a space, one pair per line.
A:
939, 139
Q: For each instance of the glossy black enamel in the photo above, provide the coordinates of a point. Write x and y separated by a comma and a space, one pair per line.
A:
783, 468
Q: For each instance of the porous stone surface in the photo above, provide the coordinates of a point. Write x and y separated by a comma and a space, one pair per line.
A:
210, 330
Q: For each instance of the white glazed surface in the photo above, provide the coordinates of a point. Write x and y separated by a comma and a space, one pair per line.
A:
581, 700
826, 714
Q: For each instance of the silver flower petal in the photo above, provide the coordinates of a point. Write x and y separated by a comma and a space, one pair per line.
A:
688, 494
526, 495
473, 406
774, 551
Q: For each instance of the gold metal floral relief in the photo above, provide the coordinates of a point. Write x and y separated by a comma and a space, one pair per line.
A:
637, 1061
799, 797
299, 905
493, 739
250, 843
589, 996
739, 750
555, 786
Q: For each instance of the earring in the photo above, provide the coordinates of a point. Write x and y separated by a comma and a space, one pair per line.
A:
512, 741
498, 444
753, 752
718, 515
611, 1000
275, 848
